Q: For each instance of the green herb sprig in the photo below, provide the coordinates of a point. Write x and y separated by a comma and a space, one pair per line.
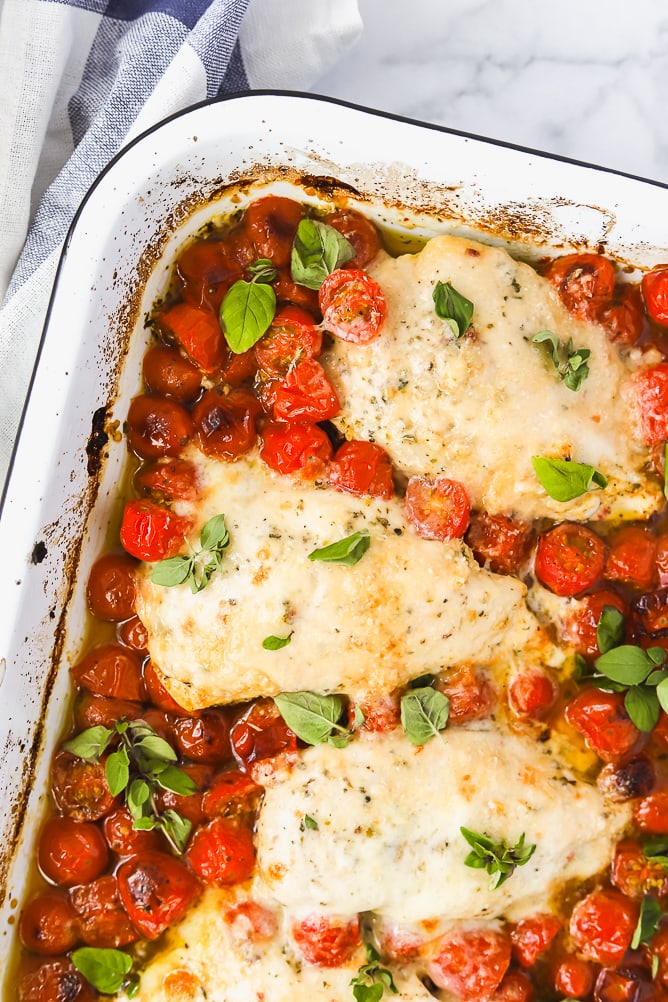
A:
372, 980
451, 306
650, 915
317, 251
314, 718
571, 363
424, 713
198, 566
248, 308
499, 858
565, 480
348, 551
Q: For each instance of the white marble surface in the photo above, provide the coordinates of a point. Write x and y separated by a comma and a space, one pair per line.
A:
586, 79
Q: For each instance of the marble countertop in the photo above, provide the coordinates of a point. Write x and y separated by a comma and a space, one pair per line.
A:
582, 78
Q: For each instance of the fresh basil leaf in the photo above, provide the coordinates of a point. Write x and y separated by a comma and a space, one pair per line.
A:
497, 857
177, 781
310, 823
317, 251
132, 987
246, 314
657, 655
570, 363
156, 747
138, 794
654, 970
348, 551
104, 969
273, 643
655, 845
610, 629
451, 306
89, 744
627, 664
214, 534
312, 717
145, 824
175, 829
117, 771
358, 716
424, 712
642, 706
662, 694
172, 571
565, 480
262, 270
648, 921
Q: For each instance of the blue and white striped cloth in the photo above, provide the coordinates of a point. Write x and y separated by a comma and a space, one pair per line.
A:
80, 78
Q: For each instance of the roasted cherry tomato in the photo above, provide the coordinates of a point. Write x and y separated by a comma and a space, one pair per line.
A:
166, 371
225, 422
260, 732
602, 925
659, 948
632, 557
292, 337
650, 613
292, 293
221, 852
91, 710
470, 693
55, 981
627, 780
353, 305
569, 558
239, 367
103, 921
268, 230
199, 333
156, 891
651, 391
296, 448
133, 634
471, 963
574, 977
306, 394
71, 852
190, 805
111, 587
651, 813
151, 532
582, 621
603, 722
49, 923
628, 984
230, 793
498, 542
111, 670
361, 233
585, 282
80, 788
655, 293
157, 692
381, 714
157, 426
515, 987
532, 936
634, 874
125, 840
532, 693
623, 318
204, 738
175, 479
207, 269
437, 508
362, 468
327, 942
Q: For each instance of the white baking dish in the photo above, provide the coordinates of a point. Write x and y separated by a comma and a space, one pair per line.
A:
60, 499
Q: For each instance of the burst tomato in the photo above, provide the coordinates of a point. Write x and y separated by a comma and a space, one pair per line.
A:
498, 542
327, 942
437, 508
623, 318
221, 852
651, 813
261, 733
125, 840
651, 397
157, 426
655, 293
582, 621
225, 422
532, 693
361, 233
362, 468
291, 293
133, 634
650, 613
157, 692
71, 852
574, 977
632, 557
49, 924
167, 372
268, 230
634, 874
515, 987
602, 925
230, 793
569, 558
175, 479
111, 587
603, 722
353, 305
381, 714
80, 788
471, 963
205, 737
91, 710
199, 333
103, 921
296, 448
151, 532
291, 338
156, 890
207, 269
306, 394
470, 693
585, 282
189, 805
532, 936
111, 670
56, 981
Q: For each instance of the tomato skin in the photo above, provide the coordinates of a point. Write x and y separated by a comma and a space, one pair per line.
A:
111, 588
151, 532
252, 920
532, 936
532, 693
168, 373
569, 558
56, 981
361, 233
198, 332
362, 468
650, 613
239, 368
651, 813
602, 925
231, 792
326, 942
102, 918
268, 229
291, 338
49, 924
133, 634
381, 714
261, 733
157, 426
175, 479
470, 693
498, 542
582, 622
190, 805
157, 693
632, 557
353, 305
296, 448
80, 788
660, 950
306, 394
91, 710
623, 318
655, 293
437, 508
574, 977
293, 294
584, 282
125, 840
71, 852
515, 987
221, 852
207, 269
622, 986
111, 670
156, 891
471, 963
603, 722
634, 874
651, 397
204, 738
627, 780
225, 423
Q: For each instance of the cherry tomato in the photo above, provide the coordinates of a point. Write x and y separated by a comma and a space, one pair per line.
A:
326, 942
659, 949
532, 936
221, 852
602, 925
498, 542
574, 977
585, 282
532, 693
230, 793
204, 738
111, 670
80, 788
399, 944
569, 558
306, 394
175, 479
353, 305
361, 233
207, 269
662, 559
182, 984
296, 448
157, 693
56, 981
91, 710
133, 634
111, 588
71, 852
651, 393
103, 921
623, 318
268, 229
603, 722
650, 612
252, 920
381, 714
634, 874
199, 333
156, 891
157, 426
624, 985
225, 423
49, 924
627, 780
362, 468
631, 557
191, 805
655, 293
291, 292
260, 733
515, 987
292, 337
239, 368
161, 722
582, 621
471, 963
651, 813
470, 693
151, 532
437, 508
167, 372
125, 840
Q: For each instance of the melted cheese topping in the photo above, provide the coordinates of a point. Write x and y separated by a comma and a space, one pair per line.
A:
408, 607
479, 407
